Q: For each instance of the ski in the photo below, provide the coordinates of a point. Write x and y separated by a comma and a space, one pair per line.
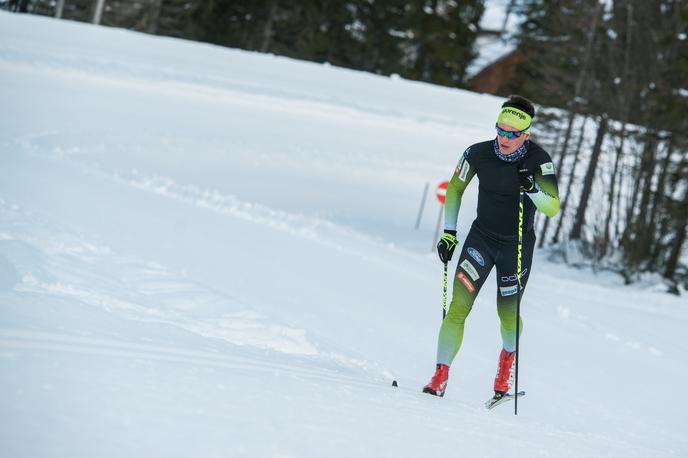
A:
495, 401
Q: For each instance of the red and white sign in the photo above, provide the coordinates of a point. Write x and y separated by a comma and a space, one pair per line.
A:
441, 191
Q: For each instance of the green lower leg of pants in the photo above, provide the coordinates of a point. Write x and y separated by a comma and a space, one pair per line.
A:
451, 332
506, 309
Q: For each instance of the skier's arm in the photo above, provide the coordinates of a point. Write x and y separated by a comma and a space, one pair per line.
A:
546, 198
457, 185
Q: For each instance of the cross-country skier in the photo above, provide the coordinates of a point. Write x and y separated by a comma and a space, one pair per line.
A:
502, 165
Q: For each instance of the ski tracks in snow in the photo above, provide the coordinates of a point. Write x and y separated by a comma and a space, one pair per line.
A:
49, 265
15, 340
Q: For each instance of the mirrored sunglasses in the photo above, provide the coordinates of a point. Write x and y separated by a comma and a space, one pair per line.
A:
508, 134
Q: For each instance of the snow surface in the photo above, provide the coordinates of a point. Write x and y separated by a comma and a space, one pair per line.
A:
207, 252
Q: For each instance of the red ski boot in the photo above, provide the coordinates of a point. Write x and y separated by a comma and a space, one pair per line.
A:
505, 372
438, 383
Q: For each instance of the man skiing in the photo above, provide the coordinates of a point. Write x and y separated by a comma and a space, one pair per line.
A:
504, 165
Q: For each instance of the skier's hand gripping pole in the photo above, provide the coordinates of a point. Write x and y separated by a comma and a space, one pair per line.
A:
446, 245
445, 250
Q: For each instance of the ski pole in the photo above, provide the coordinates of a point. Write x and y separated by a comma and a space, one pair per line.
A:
444, 294
518, 295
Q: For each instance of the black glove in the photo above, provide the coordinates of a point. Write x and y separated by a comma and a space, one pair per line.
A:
446, 245
526, 180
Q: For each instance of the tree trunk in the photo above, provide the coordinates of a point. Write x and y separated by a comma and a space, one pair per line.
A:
59, 8
658, 203
605, 241
680, 218
567, 137
624, 101
267, 29
580, 81
639, 173
422, 65
647, 171
98, 11
152, 26
569, 184
587, 182
559, 161
619, 204
634, 237
507, 13
679, 240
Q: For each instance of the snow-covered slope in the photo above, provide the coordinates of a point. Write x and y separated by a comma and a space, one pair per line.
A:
208, 252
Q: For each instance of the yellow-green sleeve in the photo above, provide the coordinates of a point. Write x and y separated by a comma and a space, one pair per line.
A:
546, 199
457, 185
